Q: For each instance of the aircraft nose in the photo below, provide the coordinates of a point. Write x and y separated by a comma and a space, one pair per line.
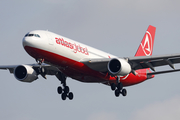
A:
30, 39
26, 41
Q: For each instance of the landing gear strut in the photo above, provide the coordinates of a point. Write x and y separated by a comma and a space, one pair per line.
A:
118, 88
64, 90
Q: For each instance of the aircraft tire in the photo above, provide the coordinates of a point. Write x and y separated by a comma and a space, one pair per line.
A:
42, 70
66, 89
119, 86
59, 90
63, 96
117, 93
113, 86
124, 92
70, 96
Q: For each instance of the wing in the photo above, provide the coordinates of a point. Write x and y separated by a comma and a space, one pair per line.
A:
140, 62
97, 64
151, 62
50, 70
9, 67
154, 61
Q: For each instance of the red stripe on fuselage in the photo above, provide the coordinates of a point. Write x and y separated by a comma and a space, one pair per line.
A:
80, 71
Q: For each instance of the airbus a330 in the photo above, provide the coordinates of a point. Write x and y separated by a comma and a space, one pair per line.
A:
63, 57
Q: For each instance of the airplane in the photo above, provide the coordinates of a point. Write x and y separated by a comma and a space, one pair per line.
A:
64, 57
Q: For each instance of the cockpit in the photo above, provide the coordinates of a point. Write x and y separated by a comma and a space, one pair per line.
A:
31, 35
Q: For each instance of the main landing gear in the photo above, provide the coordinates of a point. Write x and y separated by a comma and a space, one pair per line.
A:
118, 88
64, 90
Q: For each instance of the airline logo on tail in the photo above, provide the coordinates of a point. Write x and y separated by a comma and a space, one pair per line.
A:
147, 45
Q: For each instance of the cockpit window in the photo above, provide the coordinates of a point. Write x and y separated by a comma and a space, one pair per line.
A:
30, 35
26, 35
36, 35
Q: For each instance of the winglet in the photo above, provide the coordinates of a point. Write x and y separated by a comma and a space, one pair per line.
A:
146, 46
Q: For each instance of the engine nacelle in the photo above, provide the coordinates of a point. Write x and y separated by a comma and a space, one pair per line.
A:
25, 73
119, 67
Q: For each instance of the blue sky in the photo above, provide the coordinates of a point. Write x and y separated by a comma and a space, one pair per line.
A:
113, 26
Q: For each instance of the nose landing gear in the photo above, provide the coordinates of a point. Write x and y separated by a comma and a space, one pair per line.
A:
41, 70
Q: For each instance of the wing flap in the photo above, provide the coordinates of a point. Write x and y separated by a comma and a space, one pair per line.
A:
161, 72
153, 61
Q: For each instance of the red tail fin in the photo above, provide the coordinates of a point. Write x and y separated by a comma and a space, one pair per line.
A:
146, 46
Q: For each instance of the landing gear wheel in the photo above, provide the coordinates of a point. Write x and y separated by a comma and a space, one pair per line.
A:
59, 90
63, 96
70, 95
124, 92
66, 89
119, 86
117, 93
113, 86
42, 70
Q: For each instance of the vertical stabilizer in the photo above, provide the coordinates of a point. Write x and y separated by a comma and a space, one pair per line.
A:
146, 46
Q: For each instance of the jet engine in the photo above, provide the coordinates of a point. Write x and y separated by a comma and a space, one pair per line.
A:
25, 73
119, 67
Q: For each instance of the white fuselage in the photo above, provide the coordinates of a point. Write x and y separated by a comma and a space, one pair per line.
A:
63, 46
68, 56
